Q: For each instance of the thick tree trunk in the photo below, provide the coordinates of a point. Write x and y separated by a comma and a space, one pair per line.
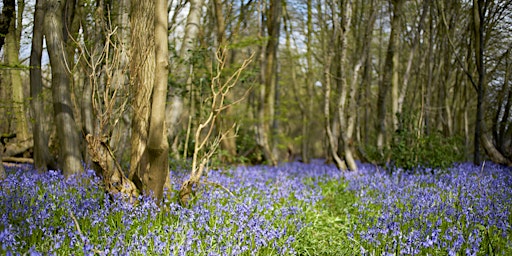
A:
8, 14
42, 158
11, 51
158, 146
70, 157
149, 72
142, 68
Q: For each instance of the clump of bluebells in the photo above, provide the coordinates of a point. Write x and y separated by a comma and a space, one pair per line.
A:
247, 210
466, 210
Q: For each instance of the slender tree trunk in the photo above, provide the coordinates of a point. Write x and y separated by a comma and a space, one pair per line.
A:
42, 158
266, 109
480, 24
308, 113
389, 78
226, 120
332, 139
183, 70
412, 53
346, 101
70, 157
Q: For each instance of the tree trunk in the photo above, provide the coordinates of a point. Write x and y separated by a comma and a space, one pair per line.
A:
183, 69
121, 132
42, 158
226, 120
8, 14
149, 72
158, 146
142, 68
346, 101
308, 111
12, 46
389, 77
332, 139
267, 93
70, 157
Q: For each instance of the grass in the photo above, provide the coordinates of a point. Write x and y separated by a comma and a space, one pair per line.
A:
291, 209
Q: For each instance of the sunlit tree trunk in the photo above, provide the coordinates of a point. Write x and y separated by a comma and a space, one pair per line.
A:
149, 72
70, 158
142, 68
12, 46
158, 145
346, 101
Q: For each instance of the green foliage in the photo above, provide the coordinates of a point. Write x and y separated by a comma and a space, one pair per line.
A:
408, 151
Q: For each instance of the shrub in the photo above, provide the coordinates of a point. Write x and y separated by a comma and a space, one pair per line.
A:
409, 151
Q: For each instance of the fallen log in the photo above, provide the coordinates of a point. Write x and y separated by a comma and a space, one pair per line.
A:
12, 159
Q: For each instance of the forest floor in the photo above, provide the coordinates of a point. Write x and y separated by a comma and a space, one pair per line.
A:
295, 208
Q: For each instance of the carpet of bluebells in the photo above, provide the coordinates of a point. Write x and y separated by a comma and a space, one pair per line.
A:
465, 210
261, 210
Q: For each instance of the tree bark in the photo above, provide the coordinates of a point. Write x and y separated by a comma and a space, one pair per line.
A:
8, 13
142, 68
389, 78
184, 69
121, 132
149, 72
12, 46
346, 101
70, 158
158, 146
266, 106
42, 158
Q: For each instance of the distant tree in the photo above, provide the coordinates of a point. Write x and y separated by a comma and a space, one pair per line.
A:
271, 23
486, 15
182, 75
389, 80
